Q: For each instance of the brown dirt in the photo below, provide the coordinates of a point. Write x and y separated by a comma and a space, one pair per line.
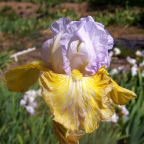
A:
78, 8
131, 33
13, 42
116, 62
85, 8
24, 9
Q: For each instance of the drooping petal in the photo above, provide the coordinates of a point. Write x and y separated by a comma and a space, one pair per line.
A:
77, 102
121, 95
66, 137
21, 78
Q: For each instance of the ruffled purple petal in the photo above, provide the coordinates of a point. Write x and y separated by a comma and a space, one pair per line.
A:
82, 45
59, 25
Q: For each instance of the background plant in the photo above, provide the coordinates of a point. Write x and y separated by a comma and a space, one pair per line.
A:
5, 59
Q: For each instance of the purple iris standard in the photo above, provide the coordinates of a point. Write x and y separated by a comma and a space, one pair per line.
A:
81, 45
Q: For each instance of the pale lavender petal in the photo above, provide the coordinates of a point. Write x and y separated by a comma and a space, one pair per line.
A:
59, 25
46, 50
82, 45
52, 54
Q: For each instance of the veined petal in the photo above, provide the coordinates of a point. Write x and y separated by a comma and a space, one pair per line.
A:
81, 45
52, 54
21, 78
77, 102
121, 95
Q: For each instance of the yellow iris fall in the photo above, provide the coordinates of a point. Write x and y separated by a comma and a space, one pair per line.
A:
77, 103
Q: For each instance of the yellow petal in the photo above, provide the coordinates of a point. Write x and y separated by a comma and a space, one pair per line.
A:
64, 136
21, 78
121, 95
77, 102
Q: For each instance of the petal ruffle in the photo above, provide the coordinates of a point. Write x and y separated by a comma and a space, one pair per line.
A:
121, 95
81, 45
76, 102
21, 78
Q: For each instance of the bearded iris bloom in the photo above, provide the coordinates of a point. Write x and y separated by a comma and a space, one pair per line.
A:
75, 84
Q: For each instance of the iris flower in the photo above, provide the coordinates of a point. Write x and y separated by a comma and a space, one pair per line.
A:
74, 81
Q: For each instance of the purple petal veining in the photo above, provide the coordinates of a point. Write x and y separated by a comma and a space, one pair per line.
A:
81, 45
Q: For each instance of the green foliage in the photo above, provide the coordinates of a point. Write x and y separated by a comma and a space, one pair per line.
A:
5, 59
23, 27
126, 52
107, 133
8, 12
123, 17
133, 129
17, 126
140, 19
